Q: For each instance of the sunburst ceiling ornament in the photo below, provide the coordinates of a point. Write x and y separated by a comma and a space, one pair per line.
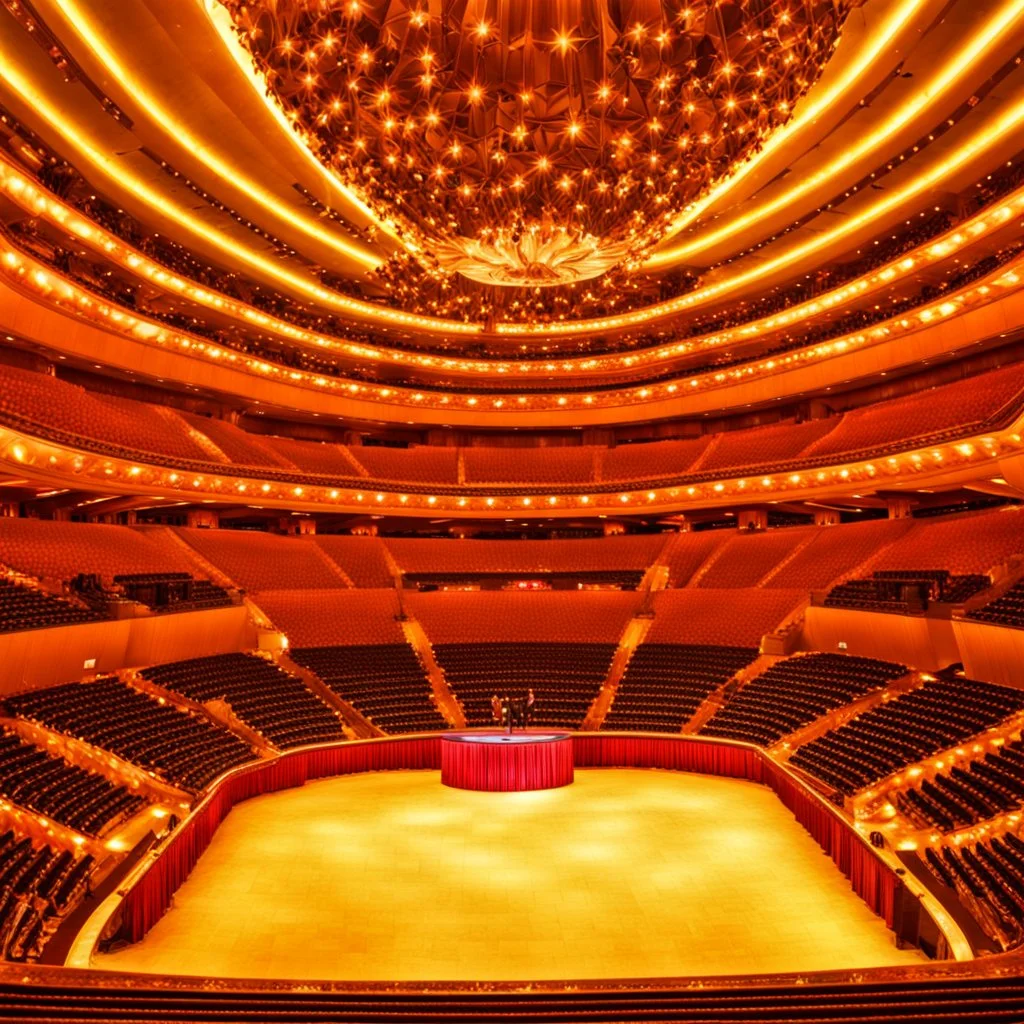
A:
479, 124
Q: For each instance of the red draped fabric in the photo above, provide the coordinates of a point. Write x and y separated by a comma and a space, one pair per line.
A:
679, 753
507, 767
872, 879
145, 902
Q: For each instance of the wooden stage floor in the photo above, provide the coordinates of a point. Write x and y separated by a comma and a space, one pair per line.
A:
626, 873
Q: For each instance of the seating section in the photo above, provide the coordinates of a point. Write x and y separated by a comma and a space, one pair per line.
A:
24, 607
67, 794
748, 557
264, 561
60, 551
966, 544
725, 618
906, 590
685, 553
764, 447
989, 875
947, 410
171, 591
969, 793
794, 692
331, 618
664, 684
608, 557
384, 682
565, 677
362, 559
652, 460
315, 457
916, 725
275, 703
241, 447
1007, 610
189, 752
551, 465
550, 616
37, 885
70, 414
426, 464
836, 551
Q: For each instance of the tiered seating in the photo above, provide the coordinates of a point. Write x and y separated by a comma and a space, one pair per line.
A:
664, 684
266, 561
314, 457
885, 592
186, 750
992, 873
727, 618
275, 703
565, 677
362, 559
24, 607
384, 682
685, 553
837, 550
241, 447
68, 413
748, 557
939, 715
528, 465
426, 464
330, 618
60, 551
969, 794
606, 558
61, 791
534, 617
168, 591
965, 544
793, 692
954, 409
36, 885
1007, 610
652, 460
760, 448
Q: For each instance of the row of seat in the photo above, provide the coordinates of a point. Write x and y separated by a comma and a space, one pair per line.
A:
278, 705
938, 715
384, 682
794, 692
1005, 610
664, 684
37, 885
967, 795
186, 750
565, 677
23, 607
67, 794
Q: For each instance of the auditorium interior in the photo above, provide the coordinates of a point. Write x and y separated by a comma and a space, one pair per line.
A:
512, 510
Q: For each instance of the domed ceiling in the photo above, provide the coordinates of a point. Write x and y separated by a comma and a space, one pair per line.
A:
533, 152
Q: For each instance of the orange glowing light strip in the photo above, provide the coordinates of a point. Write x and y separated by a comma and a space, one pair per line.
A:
232, 174
28, 194
29, 273
987, 137
184, 217
974, 52
23, 452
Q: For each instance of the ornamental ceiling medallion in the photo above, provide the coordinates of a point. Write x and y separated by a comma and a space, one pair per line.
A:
535, 142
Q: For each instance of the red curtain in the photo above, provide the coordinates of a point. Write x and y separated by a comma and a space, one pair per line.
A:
680, 753
147, 900
507, 767
872, 879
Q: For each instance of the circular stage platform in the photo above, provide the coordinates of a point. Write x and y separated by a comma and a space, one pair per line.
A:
500, 762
